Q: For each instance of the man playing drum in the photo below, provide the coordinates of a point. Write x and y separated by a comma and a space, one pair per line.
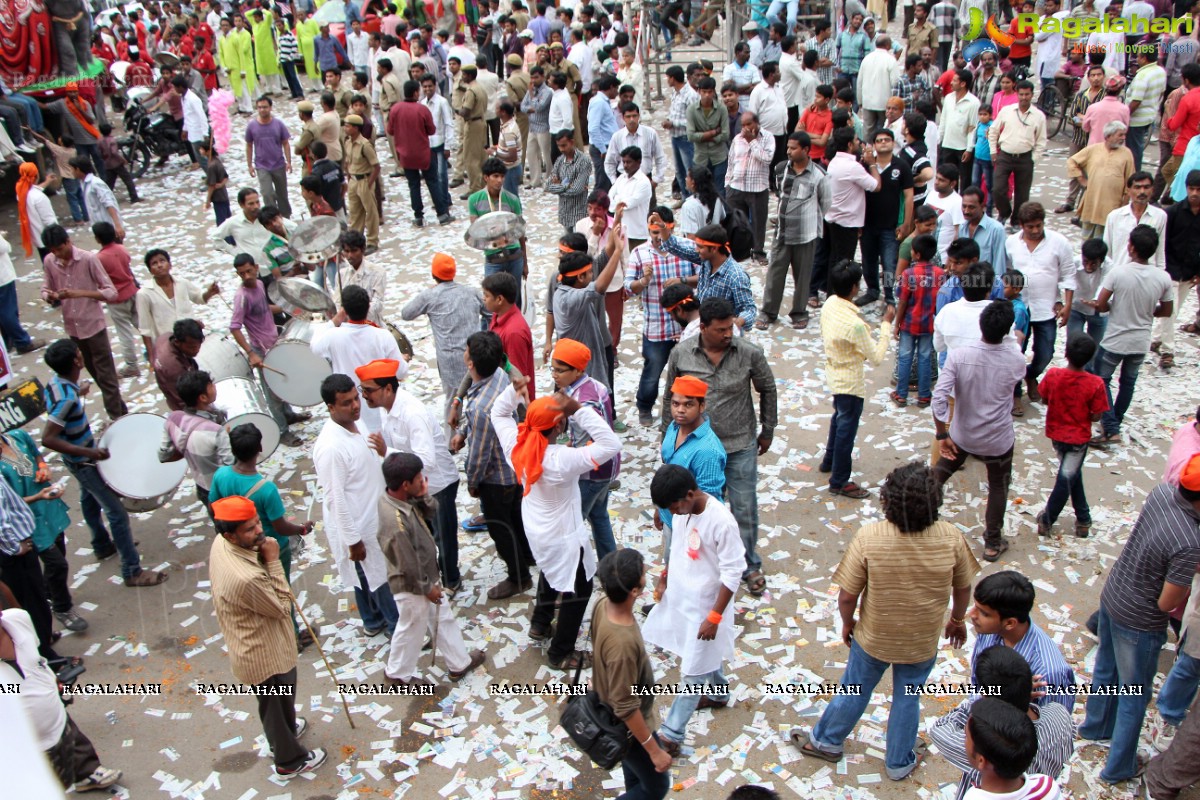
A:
174, 354
359, 273
197, 432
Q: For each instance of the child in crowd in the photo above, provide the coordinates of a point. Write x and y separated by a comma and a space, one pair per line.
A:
1014, 284
926, 219
1001, 744
115, 163
918, 296
215, 180
1094, 266
1076, 399
500, 292
981, 173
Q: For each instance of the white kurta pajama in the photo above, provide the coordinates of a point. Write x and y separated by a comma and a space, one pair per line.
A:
351, 480
352, 345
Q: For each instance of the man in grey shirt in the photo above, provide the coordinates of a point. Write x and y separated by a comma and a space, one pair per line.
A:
734, 369
981, 376
578, 304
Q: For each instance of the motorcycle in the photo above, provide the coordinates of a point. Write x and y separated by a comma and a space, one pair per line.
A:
148, 135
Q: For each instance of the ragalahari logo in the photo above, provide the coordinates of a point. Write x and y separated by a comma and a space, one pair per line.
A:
977, 28
1070, 28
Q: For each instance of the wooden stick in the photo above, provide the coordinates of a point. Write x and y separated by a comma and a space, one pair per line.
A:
317, 642
276, 371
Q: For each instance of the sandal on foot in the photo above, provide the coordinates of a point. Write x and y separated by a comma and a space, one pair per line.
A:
1105, 439
812, 752
851, 490
995, 550
1166, 361
1083, 529
572, 660
898, 399
1044, 525
1192, 328
146, 578
756, 583
541, 635
1018, 410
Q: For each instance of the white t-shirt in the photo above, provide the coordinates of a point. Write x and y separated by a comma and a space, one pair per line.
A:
39, 687
950, 216
1040, 787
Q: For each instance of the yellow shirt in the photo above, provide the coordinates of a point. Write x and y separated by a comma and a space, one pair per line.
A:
254, 609
848, 345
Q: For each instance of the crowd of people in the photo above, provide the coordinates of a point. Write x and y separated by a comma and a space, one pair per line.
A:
889, 176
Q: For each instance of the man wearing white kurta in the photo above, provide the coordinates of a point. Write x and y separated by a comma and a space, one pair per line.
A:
690, 617
411, 426
350, 479
352, 344
552, 512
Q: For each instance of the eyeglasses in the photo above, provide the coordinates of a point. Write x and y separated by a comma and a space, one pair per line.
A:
367, 391
561, 370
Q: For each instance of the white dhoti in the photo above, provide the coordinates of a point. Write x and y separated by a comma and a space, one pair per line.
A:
416, 615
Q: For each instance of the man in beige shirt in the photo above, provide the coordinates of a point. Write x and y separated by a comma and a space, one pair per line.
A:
391, 91
254, 608
1018, 141
329, 126
901, 619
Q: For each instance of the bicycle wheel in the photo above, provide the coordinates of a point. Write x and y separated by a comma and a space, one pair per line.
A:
1054, 106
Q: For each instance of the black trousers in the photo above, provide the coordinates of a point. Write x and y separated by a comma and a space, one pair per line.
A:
780, 155
23, 574
278, 715
55, 573
572, 607
73, 757
501, 507
843, 243
126, 177
1021, 168
755, 206
949, 156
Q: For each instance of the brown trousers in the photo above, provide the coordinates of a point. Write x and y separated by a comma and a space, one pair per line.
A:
98, 360
73, 757
1178, 768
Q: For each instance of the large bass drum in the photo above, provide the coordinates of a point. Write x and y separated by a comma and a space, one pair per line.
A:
244, 402
132, 469
294, 372
221, 358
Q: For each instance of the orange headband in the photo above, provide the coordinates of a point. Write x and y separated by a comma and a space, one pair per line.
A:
707, 243
674, 306
575, 273
562, 248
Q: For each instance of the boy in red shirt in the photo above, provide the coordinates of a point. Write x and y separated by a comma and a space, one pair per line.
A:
122, 311
1075, 398
817, 122
500, 300
919, 287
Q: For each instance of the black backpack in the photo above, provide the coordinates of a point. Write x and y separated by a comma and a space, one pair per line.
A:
737, 229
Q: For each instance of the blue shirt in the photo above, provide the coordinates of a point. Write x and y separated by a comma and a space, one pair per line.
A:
352, 13
541, 29
701, 453
1044, 659
952, 290
602, 121
64, 408
990, 237
16, 520
327, 51
983, 151
730, 281
1021, 323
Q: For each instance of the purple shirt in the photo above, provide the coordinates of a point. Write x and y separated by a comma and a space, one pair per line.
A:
268, 142
83, 317
981, 378
251, 311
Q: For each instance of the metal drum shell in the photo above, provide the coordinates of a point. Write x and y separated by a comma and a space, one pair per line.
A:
222, 358
316, 240
300, 296
243, 401
302, 369
133, 470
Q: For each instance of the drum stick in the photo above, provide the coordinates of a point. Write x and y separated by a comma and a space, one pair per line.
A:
276, 371
317, 642
223, 300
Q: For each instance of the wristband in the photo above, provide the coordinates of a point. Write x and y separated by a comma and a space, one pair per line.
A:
958, 621
714, 618
648, 738
456, 401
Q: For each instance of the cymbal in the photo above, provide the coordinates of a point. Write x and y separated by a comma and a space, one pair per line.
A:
497, 229
296, 295
167, 60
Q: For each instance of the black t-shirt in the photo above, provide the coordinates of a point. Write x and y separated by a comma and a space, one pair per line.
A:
884, 206
332, 178
216, 174
917, 160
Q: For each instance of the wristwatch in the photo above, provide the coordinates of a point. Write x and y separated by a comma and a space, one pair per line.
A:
942, 436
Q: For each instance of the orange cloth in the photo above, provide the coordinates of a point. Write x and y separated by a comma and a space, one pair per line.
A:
573, 353
688, 386
1190, 477
234, 508
574, 273
444, 267
707, 243
77, 112
26, 181
379, 368
527, 455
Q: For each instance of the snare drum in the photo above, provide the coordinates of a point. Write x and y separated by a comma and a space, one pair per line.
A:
244, 402
221, 358
295, 371
132, 469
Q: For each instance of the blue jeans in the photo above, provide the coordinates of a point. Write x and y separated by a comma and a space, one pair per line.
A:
377, 608
775, 13
92, 151
844, 711
1069, 483
1126, 657
922, 346
1179, 688
879, 245
1094, 324
1135, 140
512, 180
73, 189
95, 497
741, 494
642, 780
516, 268
1106, 365
675, 726
654, 361
843, 428
981, 176
1042, 334
445, 531
684, 151
438, 157
15, 335
293, 80
594, 498
718, 173
32, 109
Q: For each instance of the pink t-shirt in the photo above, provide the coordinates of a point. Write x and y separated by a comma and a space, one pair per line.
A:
1184, 445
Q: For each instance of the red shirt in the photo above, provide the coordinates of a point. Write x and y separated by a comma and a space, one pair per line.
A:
410, 125
1072, 397
115, 259
943, 82
206, 66
817, 123
1186, 121
514, 333
1021, 32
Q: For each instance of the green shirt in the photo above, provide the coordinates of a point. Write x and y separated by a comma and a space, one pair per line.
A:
227, 482
278, 257
480, 203
699, 122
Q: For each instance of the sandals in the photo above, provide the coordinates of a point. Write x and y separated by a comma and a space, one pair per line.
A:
542, 635
799, 738
762, 324
1192, 328
1105, 439
146, 578
1166, 361
756, 583
1083, 529
1018, 410
577, 659
898, 399
851, 490
992, 552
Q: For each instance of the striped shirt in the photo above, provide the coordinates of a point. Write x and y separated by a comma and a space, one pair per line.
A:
16, 520
853, 46
702, 454
1055, 742
288, 50
1044, 659
658, 326
911, 90
680, 101
64, 408
729, 280
254, 610
1147, 87
849, 345
1164, 546
569, 180
750, 163
485, 459
826, 49
944, 17
595, 395
803, 201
